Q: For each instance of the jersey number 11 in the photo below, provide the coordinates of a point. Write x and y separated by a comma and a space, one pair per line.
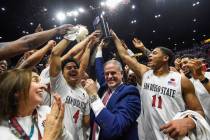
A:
159, 100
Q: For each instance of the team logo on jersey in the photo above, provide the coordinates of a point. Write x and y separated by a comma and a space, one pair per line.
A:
172, 82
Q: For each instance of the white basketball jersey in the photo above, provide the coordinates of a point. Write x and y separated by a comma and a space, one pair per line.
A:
161, 100
203, 96
76, 105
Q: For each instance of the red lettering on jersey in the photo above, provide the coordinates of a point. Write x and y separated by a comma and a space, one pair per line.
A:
76, 116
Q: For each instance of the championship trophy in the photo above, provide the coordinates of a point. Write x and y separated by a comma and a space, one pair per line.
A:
100, 23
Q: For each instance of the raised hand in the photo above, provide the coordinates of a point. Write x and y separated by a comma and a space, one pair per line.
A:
138, 43
195, 66
54, 120
51, 44
64, 28
90, 87
103, 44
96, 33
177, 63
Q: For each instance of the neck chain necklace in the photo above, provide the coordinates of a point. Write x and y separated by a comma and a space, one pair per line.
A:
18, 131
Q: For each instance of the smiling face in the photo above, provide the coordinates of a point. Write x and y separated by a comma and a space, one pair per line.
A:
20, 91
183, 65
36, 90
113, 75
71, 73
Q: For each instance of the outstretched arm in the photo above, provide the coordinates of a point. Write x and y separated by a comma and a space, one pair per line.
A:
99, 64
86, 56
55, 65
29, 42
35, 58
134, 65
79, 46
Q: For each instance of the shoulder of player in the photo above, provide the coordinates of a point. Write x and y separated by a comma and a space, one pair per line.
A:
148, 72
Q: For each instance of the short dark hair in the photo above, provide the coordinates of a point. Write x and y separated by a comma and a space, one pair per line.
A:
71, 59
169, 53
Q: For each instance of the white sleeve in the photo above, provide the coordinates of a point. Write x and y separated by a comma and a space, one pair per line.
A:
97, 106
45, 76
99, 53
58, 85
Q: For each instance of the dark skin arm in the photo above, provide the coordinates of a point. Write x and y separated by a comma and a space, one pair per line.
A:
79, 46
29, 42
35, 58
133, 64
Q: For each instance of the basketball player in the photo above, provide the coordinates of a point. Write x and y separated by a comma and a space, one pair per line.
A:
192, 68
65, 78
164, 94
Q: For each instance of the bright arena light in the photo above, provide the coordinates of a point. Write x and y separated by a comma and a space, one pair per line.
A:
69, 14
112, 4
60, 16
103, 13
75, 13
81, 10
103, 3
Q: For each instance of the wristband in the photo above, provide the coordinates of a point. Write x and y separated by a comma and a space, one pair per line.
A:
93, 98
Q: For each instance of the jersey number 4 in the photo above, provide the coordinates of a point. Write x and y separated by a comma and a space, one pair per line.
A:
76, 116
159, 100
